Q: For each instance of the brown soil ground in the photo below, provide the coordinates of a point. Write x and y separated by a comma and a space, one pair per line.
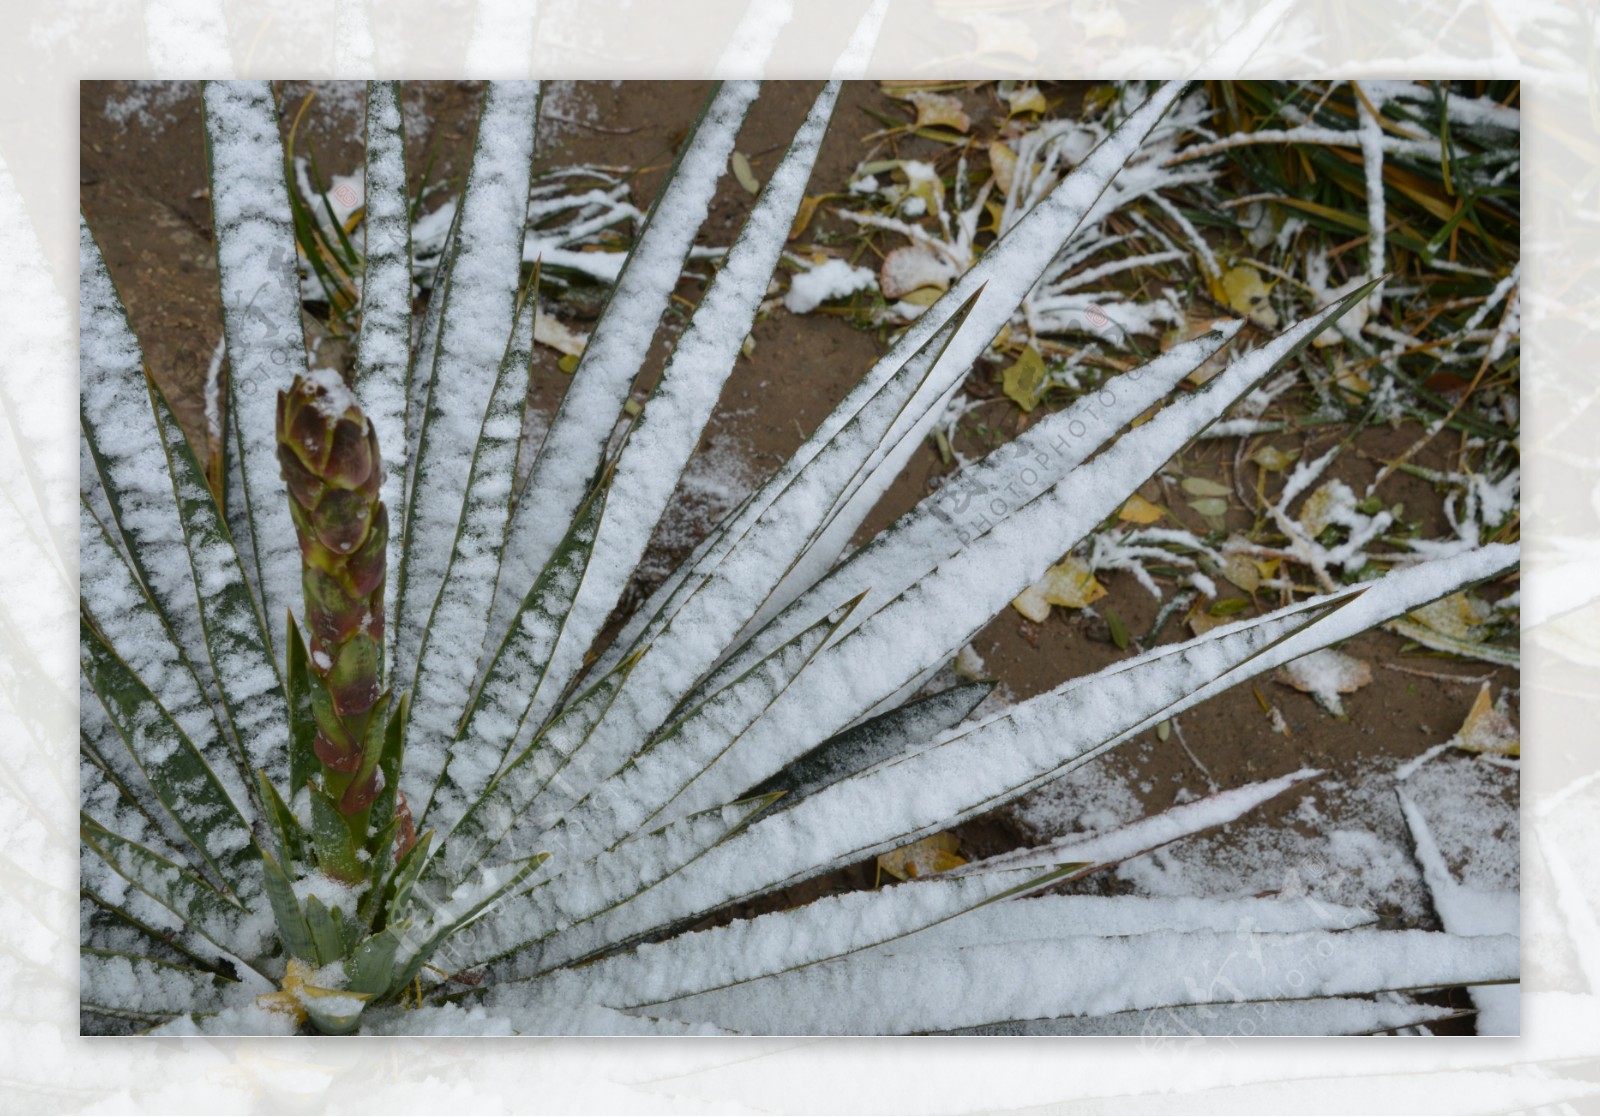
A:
143, 192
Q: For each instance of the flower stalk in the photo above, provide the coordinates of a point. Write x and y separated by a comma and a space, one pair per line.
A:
328, 454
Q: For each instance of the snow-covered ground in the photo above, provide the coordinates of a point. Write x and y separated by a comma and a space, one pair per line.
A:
1346, 842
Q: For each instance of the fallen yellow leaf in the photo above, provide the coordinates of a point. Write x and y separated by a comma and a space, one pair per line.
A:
1003, 163
742, 172
933, 854
803, 216
910, 267
1242, 571
1243, 290
1323, 507
1071, 583
1138, 510
1351, 380
1024, 381
1204, 486
1026, 98
1273, 459
937, 108
1459, 616
1487, 730
1031, 604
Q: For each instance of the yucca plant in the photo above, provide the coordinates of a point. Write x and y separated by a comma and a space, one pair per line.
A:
356, 753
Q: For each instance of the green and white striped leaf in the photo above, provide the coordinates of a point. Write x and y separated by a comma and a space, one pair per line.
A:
194, 902
486, 819
256, 263
177, 772
150, 989
570, 457
105, 799
659, 446
629, 800
419, 376
113, 789
475, 325
383, 347
123, 472
614, 880
247, 678
129, 622
903, 992
452, 644
496, 725
104, 926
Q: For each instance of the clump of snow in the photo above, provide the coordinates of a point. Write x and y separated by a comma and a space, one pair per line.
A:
333, 397
833, 279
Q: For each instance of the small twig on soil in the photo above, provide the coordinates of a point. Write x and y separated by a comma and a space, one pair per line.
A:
1211, 781
591, 127
1442, 676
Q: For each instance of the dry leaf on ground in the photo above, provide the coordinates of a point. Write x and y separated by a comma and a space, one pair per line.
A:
1070, 584
1325, 675
933, 854
937, 109
1488, 729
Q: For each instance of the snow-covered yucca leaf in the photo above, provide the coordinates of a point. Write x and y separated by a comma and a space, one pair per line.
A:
260, 317
1313, 1016
196, 903
570, 455
657, 449
383, 347
985, 491
907, 992
125, 480
508, 816
175, 769
663, 439
1123, 843
146, 989
475, 324
447, 665
927, 623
